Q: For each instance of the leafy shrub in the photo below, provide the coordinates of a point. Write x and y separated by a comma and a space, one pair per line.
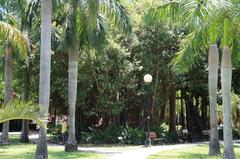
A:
161, 130
54, 130
114, 135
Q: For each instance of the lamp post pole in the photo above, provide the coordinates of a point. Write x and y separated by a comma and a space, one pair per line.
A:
147, 80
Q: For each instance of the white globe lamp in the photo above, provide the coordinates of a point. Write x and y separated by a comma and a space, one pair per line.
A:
147, 78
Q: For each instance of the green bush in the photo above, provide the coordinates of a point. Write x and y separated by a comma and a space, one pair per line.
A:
114, 135
161, 130
54, 130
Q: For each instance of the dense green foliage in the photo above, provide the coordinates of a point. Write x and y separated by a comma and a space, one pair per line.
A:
113, 58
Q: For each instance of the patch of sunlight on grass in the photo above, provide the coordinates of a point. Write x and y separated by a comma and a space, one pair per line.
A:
26, 151
195, 152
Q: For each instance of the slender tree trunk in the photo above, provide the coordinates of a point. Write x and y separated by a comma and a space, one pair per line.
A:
24, 133
45, 71
214, 147
172, 107
154, 106
183, 111
8, 91
71, 145
226, 79
204, 106
163, 104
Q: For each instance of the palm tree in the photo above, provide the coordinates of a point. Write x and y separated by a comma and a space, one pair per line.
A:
214, 148
202, 18
16, 39
16, 42
226, 80
44, 82
86, 29
8, 90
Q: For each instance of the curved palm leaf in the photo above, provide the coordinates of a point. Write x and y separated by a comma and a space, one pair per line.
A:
193, 47
201, 16
20, 110
186, 12
15, 37
116, 12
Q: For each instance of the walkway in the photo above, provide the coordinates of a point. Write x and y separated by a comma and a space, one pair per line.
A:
144, 152
128, 152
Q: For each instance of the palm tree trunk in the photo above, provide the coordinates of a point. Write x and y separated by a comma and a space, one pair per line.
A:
45, 67
24, 133
214, 147
172, 107
8, 91
226, 79
71, 145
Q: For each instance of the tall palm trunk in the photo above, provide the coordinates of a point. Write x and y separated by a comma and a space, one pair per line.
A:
45, 67
172, 107
71, 145
24, 133
214, 147
8, 91
226, 79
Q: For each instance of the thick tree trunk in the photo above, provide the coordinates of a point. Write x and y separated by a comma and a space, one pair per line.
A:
172, 107
226, 79
214, 146
45, 71
24, 133
71, 144
8, 91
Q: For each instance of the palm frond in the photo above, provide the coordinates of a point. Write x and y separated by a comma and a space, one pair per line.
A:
186, 12
20, 110
167, 12
97, 38
15, 37
193, 47
116, 12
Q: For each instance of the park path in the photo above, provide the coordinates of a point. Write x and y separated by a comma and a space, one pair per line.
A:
144, 152
128, 152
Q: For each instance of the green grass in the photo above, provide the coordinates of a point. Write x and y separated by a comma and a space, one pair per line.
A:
195, 152
26, 151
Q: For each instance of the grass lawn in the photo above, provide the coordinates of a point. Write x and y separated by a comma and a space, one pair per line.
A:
195, 152
26, 151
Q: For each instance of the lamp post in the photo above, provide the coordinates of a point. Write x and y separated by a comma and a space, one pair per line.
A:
148, 79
